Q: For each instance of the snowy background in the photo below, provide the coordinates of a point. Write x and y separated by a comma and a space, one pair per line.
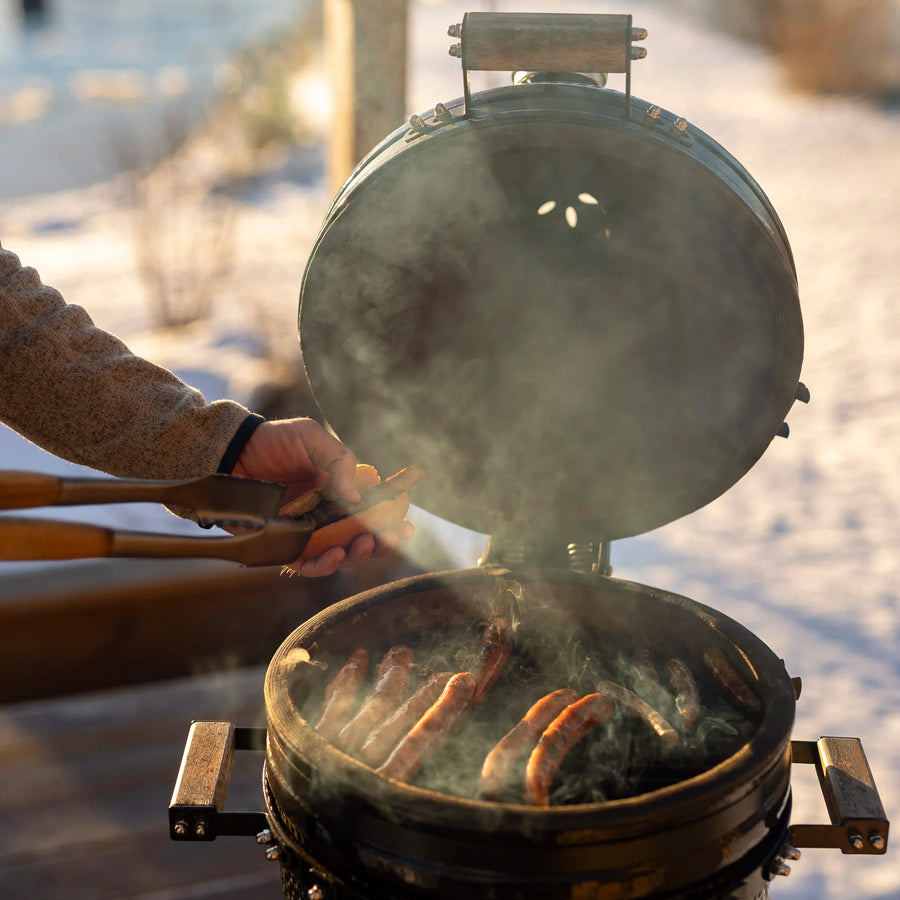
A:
803, 551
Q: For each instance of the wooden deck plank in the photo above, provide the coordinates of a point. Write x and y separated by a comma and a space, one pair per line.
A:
86, 787
90, 626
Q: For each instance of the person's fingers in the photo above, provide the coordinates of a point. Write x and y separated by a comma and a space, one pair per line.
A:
360, 551
326, 564
386, 543
328, 453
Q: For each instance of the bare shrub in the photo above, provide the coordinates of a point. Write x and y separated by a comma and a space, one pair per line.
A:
838, 46
182, 232
826, 46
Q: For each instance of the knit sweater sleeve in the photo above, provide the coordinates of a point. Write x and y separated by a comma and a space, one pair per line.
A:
78, 392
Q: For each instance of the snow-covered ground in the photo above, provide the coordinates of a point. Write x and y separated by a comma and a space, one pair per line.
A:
802, 550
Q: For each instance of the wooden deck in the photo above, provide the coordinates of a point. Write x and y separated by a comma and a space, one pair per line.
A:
102, 670
93, 625
86, 783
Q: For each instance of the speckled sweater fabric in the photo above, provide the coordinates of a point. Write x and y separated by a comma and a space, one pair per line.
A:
79, 392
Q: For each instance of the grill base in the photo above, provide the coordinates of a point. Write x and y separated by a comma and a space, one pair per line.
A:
302, 878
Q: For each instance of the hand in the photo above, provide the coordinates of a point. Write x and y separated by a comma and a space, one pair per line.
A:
303, 455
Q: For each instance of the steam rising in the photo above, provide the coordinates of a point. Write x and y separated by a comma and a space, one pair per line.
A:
553, 650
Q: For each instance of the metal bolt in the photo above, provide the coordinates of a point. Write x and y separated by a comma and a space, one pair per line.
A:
876, 840
789, 852
638, 52
315, 893
802, 392
441, 112
200, 829
856, 841
455, 30
416, 123
264, 837
654, 113
273, 852
639, 34
681, 125
455, 50
180, 828
784, 431
780, 867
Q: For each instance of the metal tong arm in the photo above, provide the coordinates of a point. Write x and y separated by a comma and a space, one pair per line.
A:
281, 541
222, 495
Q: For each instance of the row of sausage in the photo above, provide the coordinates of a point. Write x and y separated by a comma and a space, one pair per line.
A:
397, 736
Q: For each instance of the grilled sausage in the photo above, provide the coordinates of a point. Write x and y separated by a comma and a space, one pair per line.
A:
337, 522
341, 695
496, 646
384, 737
569, 727
391, 679
687, 697
630, 701
736, 691
444, 716
499, 762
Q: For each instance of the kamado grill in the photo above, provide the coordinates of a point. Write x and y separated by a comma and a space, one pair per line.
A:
580, 314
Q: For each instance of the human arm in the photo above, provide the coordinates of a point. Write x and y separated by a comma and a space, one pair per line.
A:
78, 392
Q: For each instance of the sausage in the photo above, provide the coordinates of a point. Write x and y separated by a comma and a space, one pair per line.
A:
646, 677
563, 733
736, 691
499, 762
630, 701
496, 646
687, 697
391, 678
443, 717
384, 737
337, 522
341, 694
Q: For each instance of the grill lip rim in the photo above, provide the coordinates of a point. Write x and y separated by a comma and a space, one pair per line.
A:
741, 773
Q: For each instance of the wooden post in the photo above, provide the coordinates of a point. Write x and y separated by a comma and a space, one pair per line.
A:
365, 43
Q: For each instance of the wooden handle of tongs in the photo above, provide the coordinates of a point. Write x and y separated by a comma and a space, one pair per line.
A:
22, 539
22, 490
280, 542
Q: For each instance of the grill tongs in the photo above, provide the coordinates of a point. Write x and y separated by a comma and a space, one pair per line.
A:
218, 499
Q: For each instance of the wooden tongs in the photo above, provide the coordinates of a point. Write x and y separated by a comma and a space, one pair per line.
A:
215, 499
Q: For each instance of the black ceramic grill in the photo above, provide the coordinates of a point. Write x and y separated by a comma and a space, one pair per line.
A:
580, 314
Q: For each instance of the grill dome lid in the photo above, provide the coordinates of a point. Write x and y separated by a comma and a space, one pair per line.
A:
583, 324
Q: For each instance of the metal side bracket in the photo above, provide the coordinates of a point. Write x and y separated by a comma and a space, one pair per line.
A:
858, 821
196, 809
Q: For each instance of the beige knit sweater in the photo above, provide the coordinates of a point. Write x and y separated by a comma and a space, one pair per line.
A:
80, 393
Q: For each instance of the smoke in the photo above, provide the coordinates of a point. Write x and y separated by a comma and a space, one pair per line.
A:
560, 646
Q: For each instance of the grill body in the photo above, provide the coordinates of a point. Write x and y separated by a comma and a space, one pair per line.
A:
714, 834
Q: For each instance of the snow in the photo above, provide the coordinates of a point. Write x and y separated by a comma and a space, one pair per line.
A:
803, 549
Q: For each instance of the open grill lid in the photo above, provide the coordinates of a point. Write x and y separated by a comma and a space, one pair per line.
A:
583, 324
